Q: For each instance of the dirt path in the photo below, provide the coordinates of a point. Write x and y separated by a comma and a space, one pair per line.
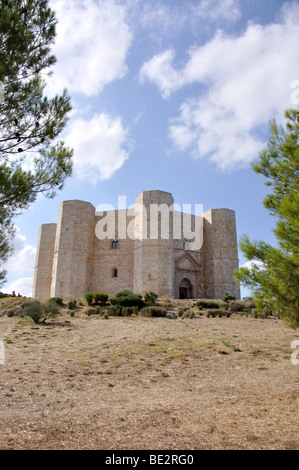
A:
148, 383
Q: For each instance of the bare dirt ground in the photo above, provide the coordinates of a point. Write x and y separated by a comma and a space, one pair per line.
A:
148, 383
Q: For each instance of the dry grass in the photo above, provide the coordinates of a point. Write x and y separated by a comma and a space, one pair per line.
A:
148, 383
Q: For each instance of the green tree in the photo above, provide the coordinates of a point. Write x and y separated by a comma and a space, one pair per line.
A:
30, 122
274, 277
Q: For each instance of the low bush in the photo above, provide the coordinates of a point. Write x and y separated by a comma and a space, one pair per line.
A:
124, 293
100, 297
188, 313
3, 295
212, 313
127, 311
11, 312
71, 304
157, 311
89, 298
98, 309
50, 308
248, 305
128, 301
90, 311
210, 303
150, 297
181, 311
144, 312
115, 310
58, 300
236, 306
226, 297
34, 310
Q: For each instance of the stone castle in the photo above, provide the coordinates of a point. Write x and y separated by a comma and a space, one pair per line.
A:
88, 251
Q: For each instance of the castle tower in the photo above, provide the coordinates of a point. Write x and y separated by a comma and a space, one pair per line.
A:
44, 261
153, 246
221, 253
73, 251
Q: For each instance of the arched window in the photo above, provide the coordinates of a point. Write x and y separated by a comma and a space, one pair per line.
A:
114, 272
185, 245
114, 244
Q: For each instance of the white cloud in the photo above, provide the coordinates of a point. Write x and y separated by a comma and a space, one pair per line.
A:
23, 259
22, 286
250, 264
91, 46
159, 70
215, 10
21, 263
168, 20
243, 82
101, 146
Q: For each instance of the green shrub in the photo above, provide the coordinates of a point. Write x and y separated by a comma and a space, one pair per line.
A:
90, 311
89, 298
50, 308
124, 293
236, 306
181, 311
34, 310
254, 313
144, 312
2, 295
157, 311
127, 311
128, 301
150, 297
100, 297
115, 310
226, 297
210, 303
213, 312
71, 304
11, 312
98, 310
188, 313
248, 305
58, 300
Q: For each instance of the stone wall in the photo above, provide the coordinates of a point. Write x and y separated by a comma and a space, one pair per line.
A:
153, 254
107, 259
220, 253
44, 261
73, 252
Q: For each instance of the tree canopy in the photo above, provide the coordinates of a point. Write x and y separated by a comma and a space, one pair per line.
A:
32, 159
274, 276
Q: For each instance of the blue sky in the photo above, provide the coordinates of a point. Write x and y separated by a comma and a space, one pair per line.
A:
173, 95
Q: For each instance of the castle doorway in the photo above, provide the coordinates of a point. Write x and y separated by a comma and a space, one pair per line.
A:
185, 289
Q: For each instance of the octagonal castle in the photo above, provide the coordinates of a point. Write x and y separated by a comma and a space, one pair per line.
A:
153, 247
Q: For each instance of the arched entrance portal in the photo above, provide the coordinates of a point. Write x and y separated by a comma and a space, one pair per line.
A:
185, 289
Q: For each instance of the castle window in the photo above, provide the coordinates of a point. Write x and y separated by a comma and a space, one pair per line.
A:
114, 244
186, 245
114, 272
